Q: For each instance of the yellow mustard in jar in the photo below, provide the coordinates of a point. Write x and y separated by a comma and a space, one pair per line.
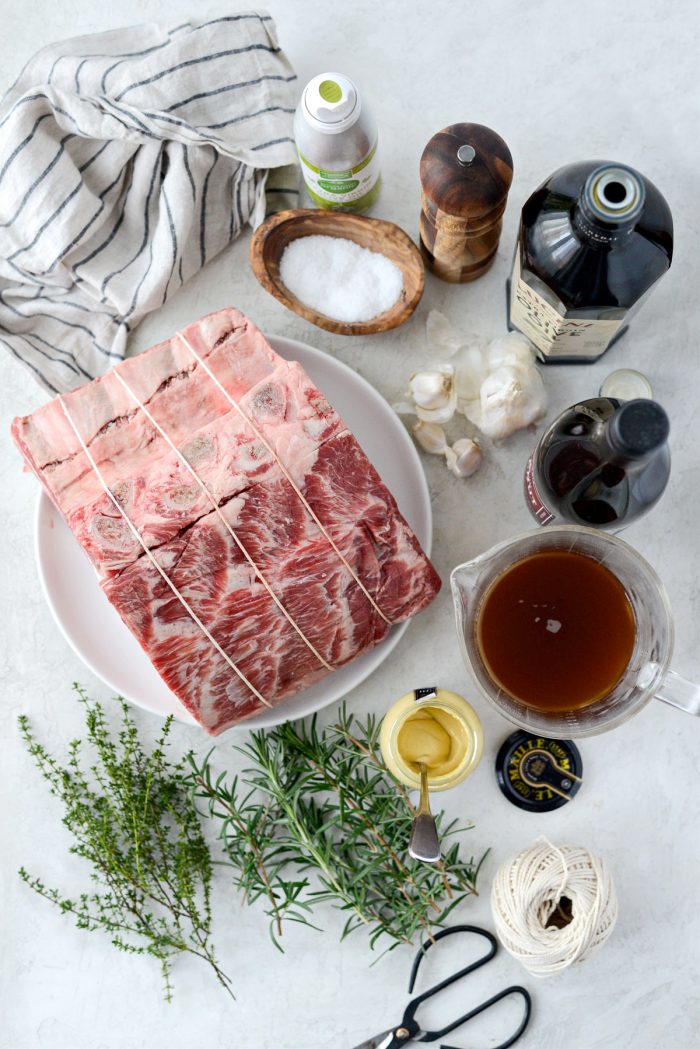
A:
427, 737
439, 730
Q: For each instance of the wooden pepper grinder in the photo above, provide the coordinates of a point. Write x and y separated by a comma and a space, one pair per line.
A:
465, 173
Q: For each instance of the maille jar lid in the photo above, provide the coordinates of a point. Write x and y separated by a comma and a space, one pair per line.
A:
466, 171
538, 774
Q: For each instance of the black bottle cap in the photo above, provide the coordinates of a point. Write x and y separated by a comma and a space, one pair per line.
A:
538, 774
638, 427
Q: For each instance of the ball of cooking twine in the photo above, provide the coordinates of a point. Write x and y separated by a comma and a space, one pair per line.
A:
530, 894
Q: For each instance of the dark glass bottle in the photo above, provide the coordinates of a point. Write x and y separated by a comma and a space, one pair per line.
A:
602, 463
594, 239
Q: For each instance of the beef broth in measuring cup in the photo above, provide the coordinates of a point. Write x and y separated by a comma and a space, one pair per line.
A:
567, 631
556, 631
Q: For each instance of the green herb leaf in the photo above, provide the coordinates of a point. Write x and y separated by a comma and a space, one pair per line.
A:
321, 803
134, 822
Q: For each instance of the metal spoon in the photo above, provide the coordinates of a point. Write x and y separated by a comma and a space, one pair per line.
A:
424, 844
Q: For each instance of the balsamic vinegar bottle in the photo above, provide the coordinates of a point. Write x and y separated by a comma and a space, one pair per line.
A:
602, 463
594, 239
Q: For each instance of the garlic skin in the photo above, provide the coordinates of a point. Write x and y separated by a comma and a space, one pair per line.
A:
470, 371
404, 408
444, 340
430, 437
513, 348
464, 457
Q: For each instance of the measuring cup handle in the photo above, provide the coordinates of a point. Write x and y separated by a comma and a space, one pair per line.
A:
679, 692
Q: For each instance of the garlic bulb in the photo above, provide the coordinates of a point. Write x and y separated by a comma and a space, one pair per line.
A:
497, 386
464, 457
511, 397
430, 437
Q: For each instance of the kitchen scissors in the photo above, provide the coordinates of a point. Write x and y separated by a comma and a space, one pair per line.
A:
409, 1030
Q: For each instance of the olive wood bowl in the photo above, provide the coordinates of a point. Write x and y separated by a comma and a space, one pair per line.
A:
272, 237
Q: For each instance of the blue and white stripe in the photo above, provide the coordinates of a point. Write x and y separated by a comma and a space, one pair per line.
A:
128, 160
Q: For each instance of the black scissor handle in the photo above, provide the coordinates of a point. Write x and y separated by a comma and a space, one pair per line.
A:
425, 947
432, 1036
516, 989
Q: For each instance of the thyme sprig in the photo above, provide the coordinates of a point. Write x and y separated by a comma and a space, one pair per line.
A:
133, 820
316, 817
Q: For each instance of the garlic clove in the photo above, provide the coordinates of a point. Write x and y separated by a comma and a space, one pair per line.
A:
465, 458
432, 388
443, 338
434, 394
430, 437
438, 415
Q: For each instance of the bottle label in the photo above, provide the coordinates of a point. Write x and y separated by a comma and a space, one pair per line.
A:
353, 189
543, 514
553, 334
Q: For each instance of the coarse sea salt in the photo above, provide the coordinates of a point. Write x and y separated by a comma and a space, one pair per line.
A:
340, 279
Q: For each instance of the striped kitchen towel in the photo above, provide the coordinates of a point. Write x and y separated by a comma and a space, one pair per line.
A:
128, 159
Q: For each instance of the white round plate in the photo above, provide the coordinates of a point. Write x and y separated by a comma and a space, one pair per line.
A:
95, 630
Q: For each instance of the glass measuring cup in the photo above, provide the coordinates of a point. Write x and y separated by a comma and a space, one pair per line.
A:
647, 674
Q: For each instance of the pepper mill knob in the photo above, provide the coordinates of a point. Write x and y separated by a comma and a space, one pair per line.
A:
465, 154
465, 173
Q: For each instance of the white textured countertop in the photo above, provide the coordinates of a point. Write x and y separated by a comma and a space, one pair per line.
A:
559, 83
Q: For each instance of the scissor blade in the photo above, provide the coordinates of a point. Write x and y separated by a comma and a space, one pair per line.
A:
380, 1041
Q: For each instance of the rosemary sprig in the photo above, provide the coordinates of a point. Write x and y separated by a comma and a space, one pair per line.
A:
134, 821
322, 805
314, 817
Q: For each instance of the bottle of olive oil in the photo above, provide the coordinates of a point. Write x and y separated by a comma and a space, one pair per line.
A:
594, 240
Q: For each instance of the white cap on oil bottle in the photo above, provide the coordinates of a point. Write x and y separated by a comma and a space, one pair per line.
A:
331, 103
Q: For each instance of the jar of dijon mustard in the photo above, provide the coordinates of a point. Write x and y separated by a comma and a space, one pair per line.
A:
436, 727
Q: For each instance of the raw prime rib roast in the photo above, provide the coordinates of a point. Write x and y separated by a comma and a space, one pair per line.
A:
248, 542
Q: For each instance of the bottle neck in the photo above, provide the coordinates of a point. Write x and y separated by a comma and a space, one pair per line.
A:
595, 231
609, 204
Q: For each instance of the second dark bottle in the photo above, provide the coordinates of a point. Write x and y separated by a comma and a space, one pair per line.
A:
594, 239
602, 463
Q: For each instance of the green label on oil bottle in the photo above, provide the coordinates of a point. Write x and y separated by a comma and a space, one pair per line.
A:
352, 189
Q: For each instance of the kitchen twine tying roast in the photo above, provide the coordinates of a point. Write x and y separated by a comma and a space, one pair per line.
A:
545, 887
188, 466
234, 404
166, 578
